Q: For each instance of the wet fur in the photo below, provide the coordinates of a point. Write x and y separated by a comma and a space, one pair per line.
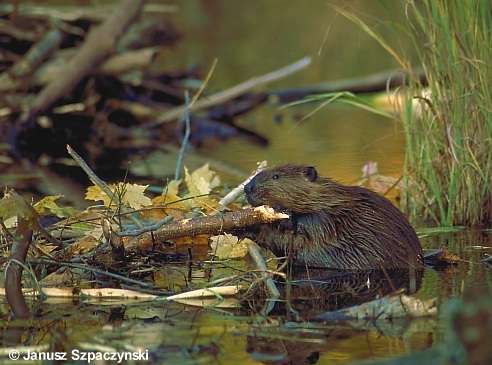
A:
332, 225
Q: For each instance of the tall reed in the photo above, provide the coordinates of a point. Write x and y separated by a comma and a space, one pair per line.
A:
448, 163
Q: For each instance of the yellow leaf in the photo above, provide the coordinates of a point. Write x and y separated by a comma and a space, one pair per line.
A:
198, 240
201, 182
227, 246
134, 195
131, 195
82, 245
169, 195
170, 202
172, 188
96, 194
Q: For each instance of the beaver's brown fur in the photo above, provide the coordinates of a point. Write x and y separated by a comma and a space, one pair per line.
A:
332, 225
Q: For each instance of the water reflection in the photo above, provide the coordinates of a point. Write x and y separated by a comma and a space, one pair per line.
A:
251, 39
307, 295
338, 141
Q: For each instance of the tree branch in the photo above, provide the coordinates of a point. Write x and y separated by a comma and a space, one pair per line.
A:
99, 44
214, 224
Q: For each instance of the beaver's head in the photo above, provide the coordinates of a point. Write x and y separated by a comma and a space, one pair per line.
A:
290, 187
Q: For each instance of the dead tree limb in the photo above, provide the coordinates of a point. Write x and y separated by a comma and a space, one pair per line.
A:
13, 276
53, 69
214, 224
380, 81
31, 60
99, 44
233, 92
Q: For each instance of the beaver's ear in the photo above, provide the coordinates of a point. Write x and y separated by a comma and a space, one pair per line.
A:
311, 173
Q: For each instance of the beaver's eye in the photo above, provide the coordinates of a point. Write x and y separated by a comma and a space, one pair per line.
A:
275, 177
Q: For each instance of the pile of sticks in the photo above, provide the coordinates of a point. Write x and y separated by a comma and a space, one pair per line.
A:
92, 77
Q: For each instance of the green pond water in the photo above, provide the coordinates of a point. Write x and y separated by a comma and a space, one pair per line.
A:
252, 38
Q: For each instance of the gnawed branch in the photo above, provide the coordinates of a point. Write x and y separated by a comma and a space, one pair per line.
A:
214, 224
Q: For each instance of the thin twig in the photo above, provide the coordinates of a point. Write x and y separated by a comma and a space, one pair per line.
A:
138, 232
92, 269
238, 190
381, 81
186, 137
233, 92
204, 83
92, 176
186, 117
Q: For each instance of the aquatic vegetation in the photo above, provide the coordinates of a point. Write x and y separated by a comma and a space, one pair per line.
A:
447, 115
448, 167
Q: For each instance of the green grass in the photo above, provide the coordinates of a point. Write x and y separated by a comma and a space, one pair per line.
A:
343, 97
448, 167
448, 127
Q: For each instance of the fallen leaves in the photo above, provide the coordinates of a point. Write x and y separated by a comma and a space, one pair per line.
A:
228, 246
199, 185
131, 195
202, 180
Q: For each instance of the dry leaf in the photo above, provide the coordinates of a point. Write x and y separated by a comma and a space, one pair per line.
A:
135, 197
201, 182
95, 193
227, 246
96, 232
173, 203
131, 195
85, 244
198, 240
57, 278
172, 189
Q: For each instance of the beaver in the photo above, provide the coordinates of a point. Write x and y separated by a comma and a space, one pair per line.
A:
332, 225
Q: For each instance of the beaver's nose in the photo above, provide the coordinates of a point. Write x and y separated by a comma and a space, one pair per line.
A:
249, 187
